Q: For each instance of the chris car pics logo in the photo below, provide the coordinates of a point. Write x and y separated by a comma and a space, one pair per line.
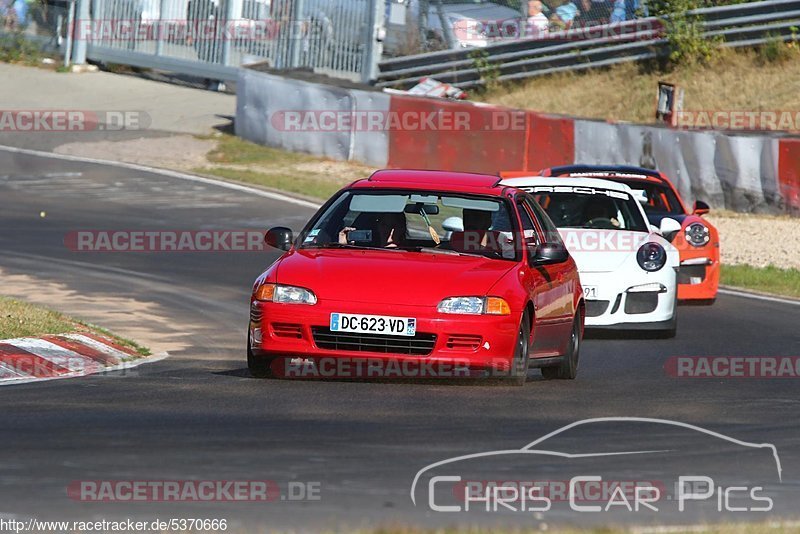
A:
461, 484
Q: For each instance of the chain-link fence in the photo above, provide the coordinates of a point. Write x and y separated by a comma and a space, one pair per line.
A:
329, 36
419, 26
40, 24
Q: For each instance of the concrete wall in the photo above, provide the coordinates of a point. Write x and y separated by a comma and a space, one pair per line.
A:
747, 173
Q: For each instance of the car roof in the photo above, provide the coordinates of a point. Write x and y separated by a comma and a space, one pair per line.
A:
530, 181
618, 171
433, 180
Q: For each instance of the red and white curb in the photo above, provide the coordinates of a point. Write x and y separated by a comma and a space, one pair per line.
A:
29, 359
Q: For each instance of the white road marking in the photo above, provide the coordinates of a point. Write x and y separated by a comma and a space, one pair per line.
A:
757, 296
165, 172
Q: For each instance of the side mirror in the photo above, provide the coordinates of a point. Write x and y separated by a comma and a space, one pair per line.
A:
669, 227
453, 224
701, 208
549, 253
279, 237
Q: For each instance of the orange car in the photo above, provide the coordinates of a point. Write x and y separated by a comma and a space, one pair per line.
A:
697, 241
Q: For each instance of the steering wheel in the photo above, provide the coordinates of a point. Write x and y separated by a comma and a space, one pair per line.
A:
601, 223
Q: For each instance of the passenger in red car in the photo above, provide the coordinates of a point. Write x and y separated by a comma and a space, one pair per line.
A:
476, 237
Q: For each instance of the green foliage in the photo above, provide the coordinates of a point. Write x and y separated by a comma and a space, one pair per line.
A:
684, 31
777, 50
15, 48
769, 279
488, 71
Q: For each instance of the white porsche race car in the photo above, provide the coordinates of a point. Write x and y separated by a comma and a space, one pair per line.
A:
627, 268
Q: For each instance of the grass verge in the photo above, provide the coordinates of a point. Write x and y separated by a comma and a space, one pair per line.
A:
310, 176
291, 183
21, 319
736, 80
773, 280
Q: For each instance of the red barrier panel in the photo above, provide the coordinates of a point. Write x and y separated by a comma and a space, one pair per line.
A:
460, 136
789, 172
551, 142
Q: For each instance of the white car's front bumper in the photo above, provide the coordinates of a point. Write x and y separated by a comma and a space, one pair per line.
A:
646, 301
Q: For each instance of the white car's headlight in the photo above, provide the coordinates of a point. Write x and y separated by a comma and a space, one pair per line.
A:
697, 234
285, 294
651, 257
474, 306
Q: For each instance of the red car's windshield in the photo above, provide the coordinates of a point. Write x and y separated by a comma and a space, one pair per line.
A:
419, 221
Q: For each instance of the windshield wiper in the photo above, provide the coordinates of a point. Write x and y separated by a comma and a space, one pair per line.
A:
335, 245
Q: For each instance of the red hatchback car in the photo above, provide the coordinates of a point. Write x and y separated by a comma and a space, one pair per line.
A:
432, 273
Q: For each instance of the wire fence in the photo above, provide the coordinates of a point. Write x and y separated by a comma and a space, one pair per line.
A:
455, 40
584, 45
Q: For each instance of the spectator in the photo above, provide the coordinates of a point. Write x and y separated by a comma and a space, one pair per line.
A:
618, 12
601, 10
565, 14
8, 15
537, 23
627, 10
593, 13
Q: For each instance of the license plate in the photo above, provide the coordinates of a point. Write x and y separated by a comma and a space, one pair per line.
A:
373, 324
590, 292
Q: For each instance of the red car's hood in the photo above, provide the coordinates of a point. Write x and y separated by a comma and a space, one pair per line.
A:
390, 277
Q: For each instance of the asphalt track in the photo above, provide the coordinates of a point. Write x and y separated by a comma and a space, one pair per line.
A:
198, 415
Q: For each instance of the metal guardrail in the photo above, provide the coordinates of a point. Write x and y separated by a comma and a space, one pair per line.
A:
737, 25
213, 38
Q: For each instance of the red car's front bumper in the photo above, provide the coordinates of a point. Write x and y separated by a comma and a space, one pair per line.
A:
302, 331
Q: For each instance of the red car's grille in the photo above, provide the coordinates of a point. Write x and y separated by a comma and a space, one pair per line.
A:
419, 345
294, 331
471, 343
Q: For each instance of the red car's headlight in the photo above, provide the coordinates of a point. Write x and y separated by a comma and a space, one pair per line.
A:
474, 306
285, 294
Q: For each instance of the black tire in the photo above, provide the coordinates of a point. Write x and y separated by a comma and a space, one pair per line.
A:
259, 366
518, 373
568, 368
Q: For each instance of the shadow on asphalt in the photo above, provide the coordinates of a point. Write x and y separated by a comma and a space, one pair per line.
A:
533, 376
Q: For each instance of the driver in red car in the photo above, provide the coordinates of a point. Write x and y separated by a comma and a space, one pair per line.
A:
389, 227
